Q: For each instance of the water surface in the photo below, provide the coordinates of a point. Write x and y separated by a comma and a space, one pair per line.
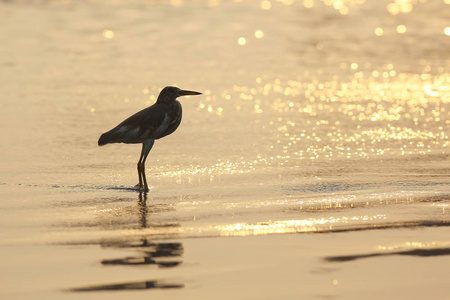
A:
318, 152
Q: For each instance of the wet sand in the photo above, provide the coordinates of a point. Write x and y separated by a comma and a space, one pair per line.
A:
108, 244
309, 266
315, 164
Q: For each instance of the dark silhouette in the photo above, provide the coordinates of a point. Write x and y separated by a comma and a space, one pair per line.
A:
148, 125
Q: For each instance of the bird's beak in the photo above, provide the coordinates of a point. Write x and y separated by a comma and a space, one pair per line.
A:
186, 93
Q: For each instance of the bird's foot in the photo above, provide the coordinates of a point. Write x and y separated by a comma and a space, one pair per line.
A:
141, 188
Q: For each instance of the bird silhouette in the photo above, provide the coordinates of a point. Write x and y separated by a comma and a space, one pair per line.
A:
148, 125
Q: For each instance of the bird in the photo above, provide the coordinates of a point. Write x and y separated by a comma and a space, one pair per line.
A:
150, 124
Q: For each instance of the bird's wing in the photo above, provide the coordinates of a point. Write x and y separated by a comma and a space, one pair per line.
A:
156, 119
139, 127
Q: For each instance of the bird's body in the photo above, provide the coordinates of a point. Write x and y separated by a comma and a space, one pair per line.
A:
148, 125
153, 122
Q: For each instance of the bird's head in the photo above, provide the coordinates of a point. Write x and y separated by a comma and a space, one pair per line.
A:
170, 93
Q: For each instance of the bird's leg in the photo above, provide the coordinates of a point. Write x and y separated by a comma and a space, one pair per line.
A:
146, 147
144, 179
139, 168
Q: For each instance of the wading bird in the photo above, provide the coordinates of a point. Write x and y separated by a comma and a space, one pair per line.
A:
148, 125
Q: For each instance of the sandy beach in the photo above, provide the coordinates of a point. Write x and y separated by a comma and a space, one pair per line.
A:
315, 165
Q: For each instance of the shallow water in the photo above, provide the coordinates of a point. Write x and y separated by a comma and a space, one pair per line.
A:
323, 117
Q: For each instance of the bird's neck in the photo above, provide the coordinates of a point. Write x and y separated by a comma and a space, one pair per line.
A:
165, 101
170, 102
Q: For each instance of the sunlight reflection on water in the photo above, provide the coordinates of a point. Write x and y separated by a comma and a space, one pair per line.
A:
317, 117
307, 106
293, 226
400, 115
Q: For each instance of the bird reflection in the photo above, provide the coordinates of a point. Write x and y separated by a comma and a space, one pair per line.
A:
163, 255
143, 209
151, 253
139, 285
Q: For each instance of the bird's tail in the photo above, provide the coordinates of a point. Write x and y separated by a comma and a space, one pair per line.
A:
104, 139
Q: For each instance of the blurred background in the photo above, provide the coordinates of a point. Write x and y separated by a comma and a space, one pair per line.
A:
316, 115
283, 81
